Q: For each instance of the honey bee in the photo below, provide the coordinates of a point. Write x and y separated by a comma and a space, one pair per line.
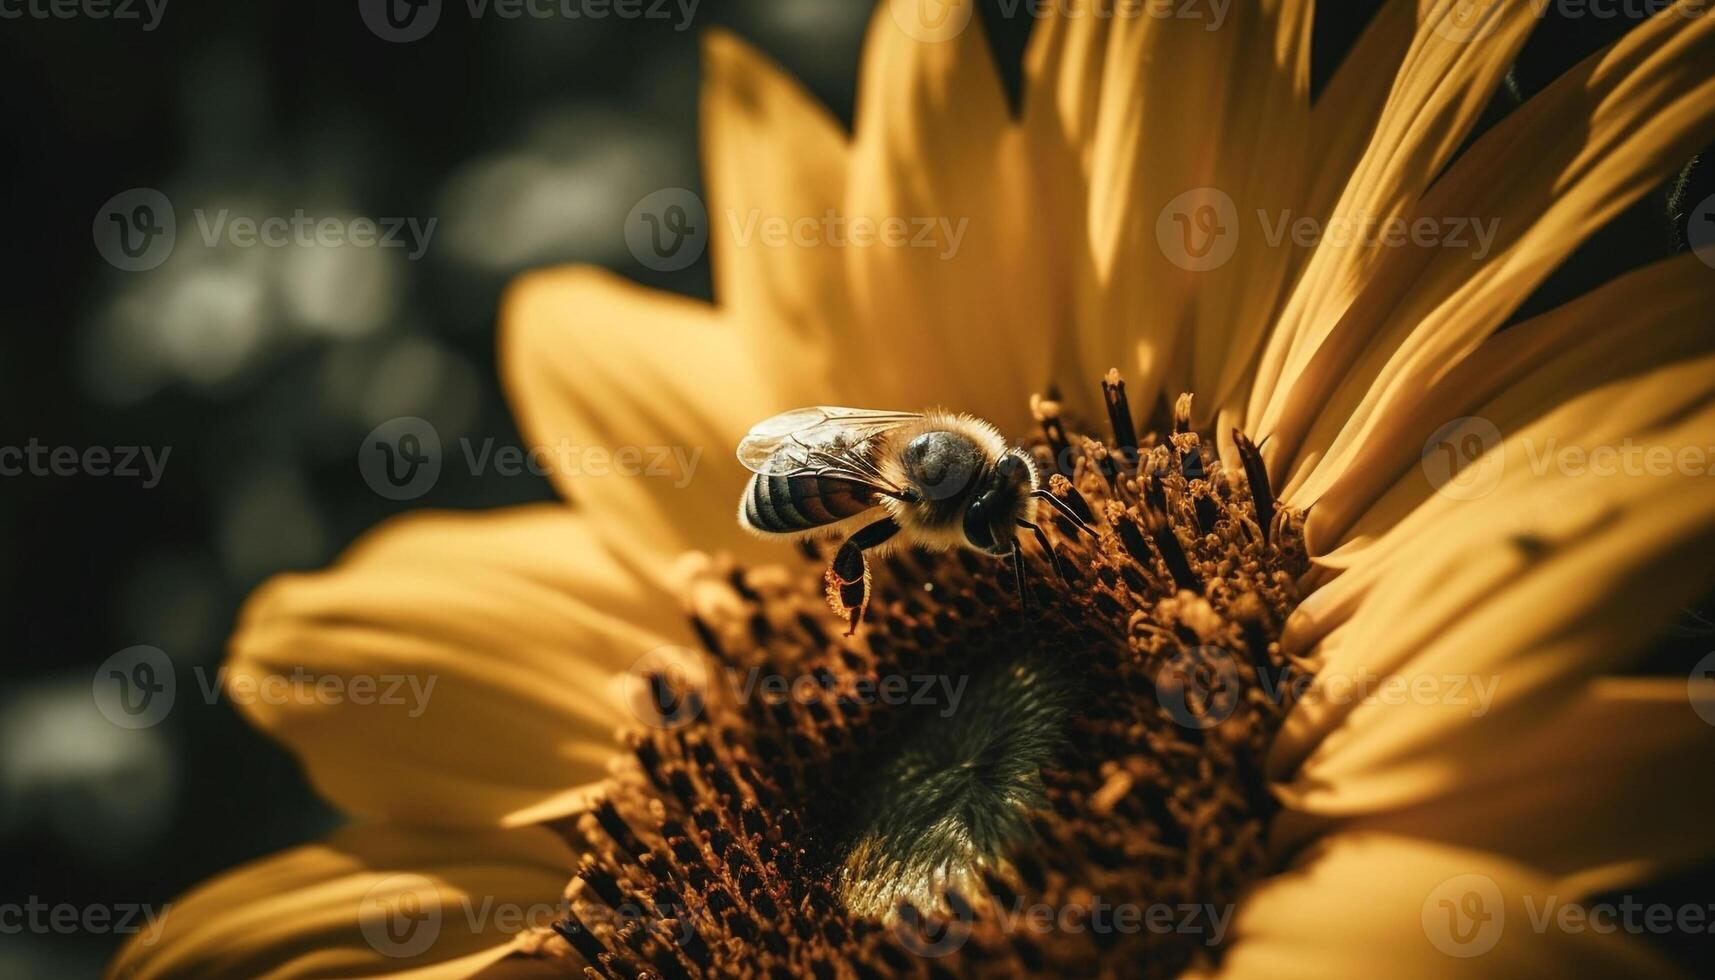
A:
943, 480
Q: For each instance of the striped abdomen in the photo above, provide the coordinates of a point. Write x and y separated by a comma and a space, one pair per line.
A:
792, 504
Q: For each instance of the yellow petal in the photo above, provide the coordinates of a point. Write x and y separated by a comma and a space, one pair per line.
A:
1063, 68
774, 157
1199, 127
1549, 798
1637, 323
1614, 368
1441, 88
1531, 593
1420, 909
454, 669
958, 312
1599, 138
370, 901
1347, 110
656, 389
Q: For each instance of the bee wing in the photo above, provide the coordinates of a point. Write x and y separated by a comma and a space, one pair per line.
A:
825, 440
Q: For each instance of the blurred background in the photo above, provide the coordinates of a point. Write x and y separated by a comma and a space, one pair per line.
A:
258, 371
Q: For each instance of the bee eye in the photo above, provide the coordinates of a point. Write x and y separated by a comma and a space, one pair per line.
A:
977, 530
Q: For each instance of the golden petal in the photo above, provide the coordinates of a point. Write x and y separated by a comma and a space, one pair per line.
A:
1644, 320
1346, 112
1198, 126
372, 900
1063, 68
1441, 88
950, 284
646, 395
1425, 910
1600, 137
454, 669
774, 158
1530, 594
1549, 798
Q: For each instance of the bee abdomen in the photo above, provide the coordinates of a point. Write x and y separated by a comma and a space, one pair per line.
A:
791, 504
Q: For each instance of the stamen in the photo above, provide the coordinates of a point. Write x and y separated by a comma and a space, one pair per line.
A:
1119, 413
1107, 743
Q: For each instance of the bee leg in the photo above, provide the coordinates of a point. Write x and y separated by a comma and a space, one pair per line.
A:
848, 575
1018, 575
1066, 511
1047, 549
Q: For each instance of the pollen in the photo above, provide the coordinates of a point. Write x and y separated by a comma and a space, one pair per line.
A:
906, 798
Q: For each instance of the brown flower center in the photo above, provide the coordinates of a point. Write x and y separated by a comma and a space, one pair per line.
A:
978, 782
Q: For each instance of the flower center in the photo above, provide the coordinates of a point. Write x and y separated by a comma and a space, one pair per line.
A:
1019, 782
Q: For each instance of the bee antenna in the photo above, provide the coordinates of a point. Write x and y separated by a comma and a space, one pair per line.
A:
1065, 511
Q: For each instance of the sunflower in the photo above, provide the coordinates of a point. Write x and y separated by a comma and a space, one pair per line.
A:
1339, 680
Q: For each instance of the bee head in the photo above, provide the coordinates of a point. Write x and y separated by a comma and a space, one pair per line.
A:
1001, 501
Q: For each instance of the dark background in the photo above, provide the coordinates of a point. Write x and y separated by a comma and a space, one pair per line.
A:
262, 369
